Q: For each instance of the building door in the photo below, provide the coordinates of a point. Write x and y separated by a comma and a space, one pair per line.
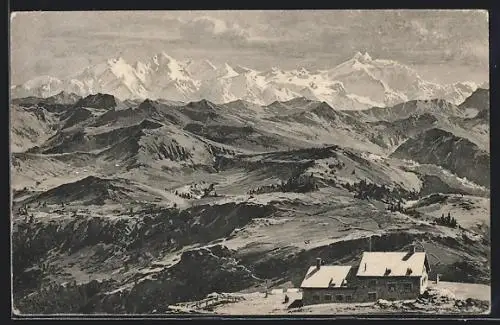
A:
372, 296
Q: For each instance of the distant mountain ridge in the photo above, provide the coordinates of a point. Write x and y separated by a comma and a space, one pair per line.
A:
442, 148
479, 99
300, 120
358, 83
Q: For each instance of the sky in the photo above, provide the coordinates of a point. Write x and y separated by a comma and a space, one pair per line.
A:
443, 46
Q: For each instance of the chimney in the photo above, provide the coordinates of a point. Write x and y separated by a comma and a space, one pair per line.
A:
437, 278
318, 263
413, 248
365, 266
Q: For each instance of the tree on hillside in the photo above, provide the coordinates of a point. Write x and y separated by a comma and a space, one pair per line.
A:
447, 221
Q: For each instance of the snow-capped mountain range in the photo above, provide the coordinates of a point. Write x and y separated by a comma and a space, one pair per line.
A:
357, 83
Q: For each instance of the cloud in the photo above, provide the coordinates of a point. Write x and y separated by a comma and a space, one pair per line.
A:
472, 53
206, 29
316, 39
419, 28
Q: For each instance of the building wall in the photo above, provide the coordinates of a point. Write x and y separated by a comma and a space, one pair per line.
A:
366, 289
388, 288
324, 296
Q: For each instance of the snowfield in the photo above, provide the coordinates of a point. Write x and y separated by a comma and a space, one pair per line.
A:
360, 82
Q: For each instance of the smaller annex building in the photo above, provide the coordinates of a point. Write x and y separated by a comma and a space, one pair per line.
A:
379, 275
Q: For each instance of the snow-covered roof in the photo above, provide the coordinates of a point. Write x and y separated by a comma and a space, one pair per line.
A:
326, 276
392, 264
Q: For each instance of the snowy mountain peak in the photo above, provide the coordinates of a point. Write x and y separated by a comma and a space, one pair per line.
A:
226, 71
358, 83
241, 69
165, 55
200, 70
162, 58
209, 64
485, 85
40, 81
363, 58
357, 56
117, 60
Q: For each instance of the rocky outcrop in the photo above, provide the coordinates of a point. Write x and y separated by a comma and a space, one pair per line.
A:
198, 273
89, 190
435, 300
479, 99
70, 298
444, 149
76, 116
103, 101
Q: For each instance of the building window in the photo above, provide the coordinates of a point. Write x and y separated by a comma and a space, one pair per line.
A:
328, 298
407, 287
339, 297
316, 298
372, 295
372, 283
348, 298
391, 287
